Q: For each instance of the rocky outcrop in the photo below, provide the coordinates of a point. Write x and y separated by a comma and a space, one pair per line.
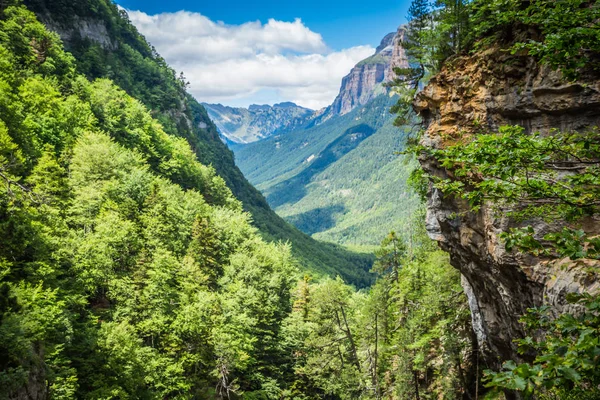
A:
365, 81
488, 90
80, 28
247, 125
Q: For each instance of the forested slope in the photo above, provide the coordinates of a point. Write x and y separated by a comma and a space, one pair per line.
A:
127, 267
105, 44
343, 180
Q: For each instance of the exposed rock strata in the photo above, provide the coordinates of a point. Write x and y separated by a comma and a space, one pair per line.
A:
486, 91
81, 28
364, 82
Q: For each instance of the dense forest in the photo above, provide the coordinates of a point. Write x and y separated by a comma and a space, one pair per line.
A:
134, 65
130, 270
129, 267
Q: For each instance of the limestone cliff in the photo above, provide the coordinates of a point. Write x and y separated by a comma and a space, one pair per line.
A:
364, 82
79, 28
488, 90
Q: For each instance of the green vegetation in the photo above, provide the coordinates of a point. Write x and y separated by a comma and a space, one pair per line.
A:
440, 29
568, 353
550, 178
374, 59
127, 268
409, 336
354, 186
136, 67
528, 176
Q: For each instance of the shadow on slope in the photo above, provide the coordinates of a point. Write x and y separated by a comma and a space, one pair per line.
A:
294, 189
128, 60
318, 219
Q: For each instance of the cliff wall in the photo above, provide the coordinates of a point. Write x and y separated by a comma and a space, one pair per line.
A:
365, 81
485, 91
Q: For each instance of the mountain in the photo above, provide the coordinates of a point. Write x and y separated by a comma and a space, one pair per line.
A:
127, 267
246, 125
365, 81
340, 178
105, 44
239, 125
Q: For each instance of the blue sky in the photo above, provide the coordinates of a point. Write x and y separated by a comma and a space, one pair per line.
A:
242, 52
343, 23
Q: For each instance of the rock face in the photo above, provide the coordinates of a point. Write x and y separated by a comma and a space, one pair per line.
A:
489, 90
364, 82
80, 28
241, 125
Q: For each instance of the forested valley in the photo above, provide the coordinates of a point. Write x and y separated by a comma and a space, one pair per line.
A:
137, 262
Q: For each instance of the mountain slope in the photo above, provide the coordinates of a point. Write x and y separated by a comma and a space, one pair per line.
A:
106, 44
127, 268
340, 179
246, 125
364, 82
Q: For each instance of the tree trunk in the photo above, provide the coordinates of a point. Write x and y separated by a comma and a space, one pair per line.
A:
350, 339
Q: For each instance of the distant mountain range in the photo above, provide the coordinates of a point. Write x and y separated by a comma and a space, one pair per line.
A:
247, 125
364, 82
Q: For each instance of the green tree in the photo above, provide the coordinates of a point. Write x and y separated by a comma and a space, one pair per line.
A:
567, 354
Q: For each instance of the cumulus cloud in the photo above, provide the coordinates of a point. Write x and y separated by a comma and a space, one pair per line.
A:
233, 63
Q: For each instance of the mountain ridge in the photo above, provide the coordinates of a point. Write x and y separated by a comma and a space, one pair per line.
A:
365, 81
257, 121
329, 177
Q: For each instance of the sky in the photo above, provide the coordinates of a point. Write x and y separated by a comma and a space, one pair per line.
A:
239, 53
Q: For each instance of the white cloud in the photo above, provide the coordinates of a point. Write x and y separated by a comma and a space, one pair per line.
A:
232, 63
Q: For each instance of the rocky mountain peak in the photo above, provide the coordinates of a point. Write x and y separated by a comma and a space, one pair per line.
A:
365, 81
246, 125
386, 43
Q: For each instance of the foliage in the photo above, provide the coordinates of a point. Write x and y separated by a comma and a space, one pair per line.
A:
568, 353
436, 30
135, 66
409, 335
127, 269
529, 176
353, 189
562, 34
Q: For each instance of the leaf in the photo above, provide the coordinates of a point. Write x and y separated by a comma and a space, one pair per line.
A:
570, 374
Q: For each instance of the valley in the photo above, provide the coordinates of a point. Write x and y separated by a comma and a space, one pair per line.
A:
191, 209
342, 178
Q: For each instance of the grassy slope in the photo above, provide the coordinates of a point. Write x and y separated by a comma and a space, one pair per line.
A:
354, 189
136, 67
